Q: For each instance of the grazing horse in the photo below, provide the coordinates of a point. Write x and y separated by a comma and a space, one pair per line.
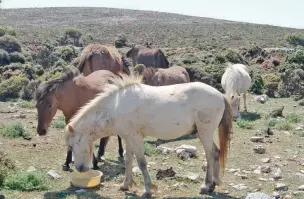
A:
147, 56
102, 57
236, 80
68, 93
162, 76
134, 110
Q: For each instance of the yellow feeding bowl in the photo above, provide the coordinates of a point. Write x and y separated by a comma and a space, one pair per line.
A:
87, 179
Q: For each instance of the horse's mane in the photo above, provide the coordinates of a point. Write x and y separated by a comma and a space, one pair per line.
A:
51, 85
115, 84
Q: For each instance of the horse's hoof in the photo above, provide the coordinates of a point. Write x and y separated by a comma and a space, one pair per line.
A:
123, 188
65, 168
206, 189
95, 168
146, 195
100, 159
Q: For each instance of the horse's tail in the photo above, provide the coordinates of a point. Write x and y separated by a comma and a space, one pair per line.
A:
225, 127
162, 60
126, 65
83, 60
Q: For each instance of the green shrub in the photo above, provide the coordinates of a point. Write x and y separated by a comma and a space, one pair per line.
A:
120, 41
59, 123
67, 53
234, 57
39, 70
257, 82
44, 57
14, 130
293, 118
9, 44
284, 126
10, 88
6, 166
295, 39
219, 59
17, 57
27, 181
272, 122
2, 31
244, 124
149, 149
27, 91
4, 58
27, 104
73, 33
7, 30
12, 67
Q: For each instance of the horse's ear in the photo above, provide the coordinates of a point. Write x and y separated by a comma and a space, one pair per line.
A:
71, 130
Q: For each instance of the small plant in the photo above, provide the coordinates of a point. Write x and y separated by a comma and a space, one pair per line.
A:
59, 123
10, 88
27, 181
272, 122
284, 126
27, 104
294, 118
149, 148
6, 166
14, 130
244, 124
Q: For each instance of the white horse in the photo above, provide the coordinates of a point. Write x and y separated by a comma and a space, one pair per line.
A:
134, 110
236, 80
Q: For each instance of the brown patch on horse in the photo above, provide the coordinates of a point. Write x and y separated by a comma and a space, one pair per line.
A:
102, 57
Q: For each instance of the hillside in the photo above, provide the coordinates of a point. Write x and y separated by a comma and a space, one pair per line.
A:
163, 29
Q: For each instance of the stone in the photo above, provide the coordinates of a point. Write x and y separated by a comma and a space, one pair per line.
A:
240, 187
189, 149
277, 174
193, 176
136, 170
259, 149
257, 139
53, 174
263, 179
281, 187
2, 196
233, 170
276, 195
257, 170
257, 195
299, 128
261, 98
265, 160
287, 197
179, 185
80, 191
165, 150
265, 169
301, 188
298, 193
300, 176
31, 168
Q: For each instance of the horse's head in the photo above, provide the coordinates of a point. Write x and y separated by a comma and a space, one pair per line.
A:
234, 99
81, 146
46, 104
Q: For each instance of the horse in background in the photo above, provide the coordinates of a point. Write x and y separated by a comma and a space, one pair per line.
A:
236, 80
165, 112
102, 57
162, 76
147, 56
68, 93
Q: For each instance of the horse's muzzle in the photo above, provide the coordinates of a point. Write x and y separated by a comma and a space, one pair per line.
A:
41, 132
81, 168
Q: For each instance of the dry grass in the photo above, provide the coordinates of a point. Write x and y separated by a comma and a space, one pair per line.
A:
45, 153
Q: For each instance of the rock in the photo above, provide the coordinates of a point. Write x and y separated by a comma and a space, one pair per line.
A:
239, 187
263, 179
53, 174
31, 168
234, 170
179, 185
183, 154
188, 148
301, 103
299, 128
265, 160
281, 187
165, 150
136, 170
287, 197
193, 176
276, 195
301, 188
277, 112
302, 171
261, 98
165, 173
257, 195
130, 193
2, 196
298, 193
300, 176
265, 169
277, 174
257, 139
257, 170
80, 191
259, 149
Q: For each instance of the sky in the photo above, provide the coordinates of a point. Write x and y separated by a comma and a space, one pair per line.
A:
288, 13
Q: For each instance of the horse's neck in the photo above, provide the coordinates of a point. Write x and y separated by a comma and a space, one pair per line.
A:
231, 82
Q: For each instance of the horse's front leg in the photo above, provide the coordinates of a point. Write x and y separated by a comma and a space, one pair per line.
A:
245, 103
66, 165
137, 148
101, 150
120, 148
128, 181
95, 162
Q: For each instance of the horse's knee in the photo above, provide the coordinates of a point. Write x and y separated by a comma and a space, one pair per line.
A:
216, 154
142, 164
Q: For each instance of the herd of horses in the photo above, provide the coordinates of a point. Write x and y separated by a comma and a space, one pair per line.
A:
148, 99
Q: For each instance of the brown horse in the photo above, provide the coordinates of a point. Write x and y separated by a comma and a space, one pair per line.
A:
147, 56
68, 93
162, 76
102, 57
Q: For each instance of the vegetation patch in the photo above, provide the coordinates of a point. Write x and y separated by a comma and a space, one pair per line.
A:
14, 130
294, 118
27, 104
244, 124
6, 166
59, 122
284, 126
149, 149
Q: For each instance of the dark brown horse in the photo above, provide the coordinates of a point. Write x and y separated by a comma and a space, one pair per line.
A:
68, 93
147, 56
102, 57
162, 76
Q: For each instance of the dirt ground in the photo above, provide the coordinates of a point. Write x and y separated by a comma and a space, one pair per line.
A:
284, 148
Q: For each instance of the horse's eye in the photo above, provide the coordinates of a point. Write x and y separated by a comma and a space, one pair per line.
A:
50, 106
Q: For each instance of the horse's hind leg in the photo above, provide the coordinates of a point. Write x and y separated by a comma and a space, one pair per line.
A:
137, 147
128, 181
216, 167
245, 103
101, 150
120, 148
66, 165
206, 138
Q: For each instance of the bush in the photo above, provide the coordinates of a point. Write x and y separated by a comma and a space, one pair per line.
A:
27, 91
27, 104
284, 126
9, 44
73, 33
27, 181
235, 57
29, 71
244, 124
295, 39
14, 130
7, 30
257, 84
10, 88
4, 58
17, 57
45, 57
149, 149
67, 53
39, 70
292, 83
297, 56
294, 118
271, 83
2, 31
120, 41
6, 166
59, 123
